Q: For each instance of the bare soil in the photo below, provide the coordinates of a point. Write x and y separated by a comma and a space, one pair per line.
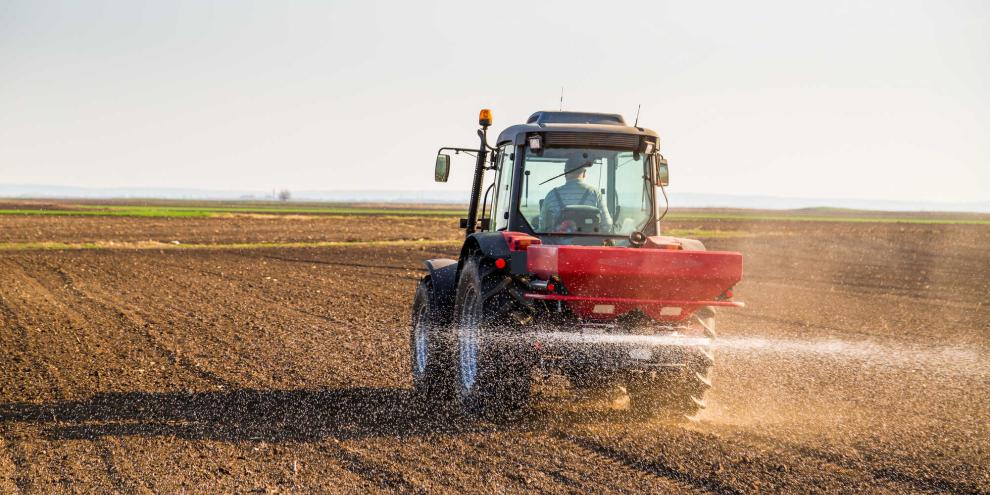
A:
860, 365
238, 228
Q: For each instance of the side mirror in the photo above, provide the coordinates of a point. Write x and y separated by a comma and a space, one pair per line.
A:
663, 174
442, 170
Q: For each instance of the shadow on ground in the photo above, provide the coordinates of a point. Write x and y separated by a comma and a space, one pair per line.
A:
243, 415
302, 415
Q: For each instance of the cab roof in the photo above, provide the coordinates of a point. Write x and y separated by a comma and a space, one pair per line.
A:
561, 117
554, 121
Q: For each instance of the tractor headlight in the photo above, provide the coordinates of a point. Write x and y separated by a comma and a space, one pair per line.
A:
535, 142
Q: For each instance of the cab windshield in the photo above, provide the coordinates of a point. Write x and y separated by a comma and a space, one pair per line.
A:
586, 191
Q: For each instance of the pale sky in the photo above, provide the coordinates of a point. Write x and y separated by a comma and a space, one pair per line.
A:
835, 99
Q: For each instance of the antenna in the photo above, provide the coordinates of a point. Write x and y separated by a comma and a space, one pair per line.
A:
562, 98
636, 124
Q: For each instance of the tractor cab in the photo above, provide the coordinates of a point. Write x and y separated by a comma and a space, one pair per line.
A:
567, 178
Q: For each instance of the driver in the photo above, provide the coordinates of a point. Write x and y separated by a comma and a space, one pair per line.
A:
574, 191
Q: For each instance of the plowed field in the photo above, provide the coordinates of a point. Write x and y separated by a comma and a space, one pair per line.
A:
860, 365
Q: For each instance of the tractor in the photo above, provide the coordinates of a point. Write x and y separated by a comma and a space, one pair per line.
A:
564, 269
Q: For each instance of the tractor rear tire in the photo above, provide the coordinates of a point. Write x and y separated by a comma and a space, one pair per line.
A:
431, 349
678, 395
491, 380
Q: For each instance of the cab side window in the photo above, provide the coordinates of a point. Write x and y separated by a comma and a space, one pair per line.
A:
503, 189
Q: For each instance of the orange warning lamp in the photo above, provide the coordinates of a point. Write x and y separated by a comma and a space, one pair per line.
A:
485, 117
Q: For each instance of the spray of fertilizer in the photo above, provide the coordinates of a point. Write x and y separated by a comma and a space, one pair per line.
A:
866, 351
763, 381
823, 386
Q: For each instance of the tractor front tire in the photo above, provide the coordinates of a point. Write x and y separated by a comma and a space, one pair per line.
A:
431, 349
491, 381
679, 395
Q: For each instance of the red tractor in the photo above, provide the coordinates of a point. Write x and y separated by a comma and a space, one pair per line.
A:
567, 271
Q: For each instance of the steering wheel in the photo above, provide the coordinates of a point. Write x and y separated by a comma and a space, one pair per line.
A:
579, 218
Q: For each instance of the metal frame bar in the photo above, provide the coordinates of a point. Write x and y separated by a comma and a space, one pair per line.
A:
661, 302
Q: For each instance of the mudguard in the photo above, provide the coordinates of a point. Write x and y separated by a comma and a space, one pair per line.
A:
443, 272
443, 287
492, 245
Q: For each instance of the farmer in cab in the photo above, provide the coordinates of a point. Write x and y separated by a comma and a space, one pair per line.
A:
574, 192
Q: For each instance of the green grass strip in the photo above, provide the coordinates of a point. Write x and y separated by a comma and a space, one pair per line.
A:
328, 210
201, 212
150, 245
157, 213
819, 218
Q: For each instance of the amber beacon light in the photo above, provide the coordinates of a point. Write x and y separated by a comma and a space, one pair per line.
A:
485, 117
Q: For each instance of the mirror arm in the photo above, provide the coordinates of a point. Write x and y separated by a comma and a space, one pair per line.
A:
457, 150
666, 206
